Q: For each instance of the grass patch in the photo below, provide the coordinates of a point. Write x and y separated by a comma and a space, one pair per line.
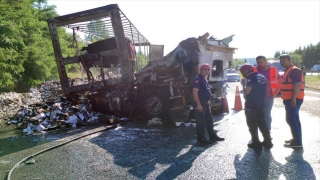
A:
313, 82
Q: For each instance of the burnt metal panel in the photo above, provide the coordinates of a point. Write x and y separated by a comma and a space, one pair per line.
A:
58, 56
86, 15
156, 51
127, 74
90, 57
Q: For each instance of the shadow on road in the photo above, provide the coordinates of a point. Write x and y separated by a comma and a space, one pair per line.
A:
296, 167
255, 165
261, 165
141, 149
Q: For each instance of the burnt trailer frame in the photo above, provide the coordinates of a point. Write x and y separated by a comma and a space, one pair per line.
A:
117, 21
162, 88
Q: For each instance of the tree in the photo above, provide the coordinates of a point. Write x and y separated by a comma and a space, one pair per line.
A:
277, 54
296, 59
26, 53
237, 62
141, 60
309, 55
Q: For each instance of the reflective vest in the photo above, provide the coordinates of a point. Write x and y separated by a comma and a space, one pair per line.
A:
273, 79
287, 85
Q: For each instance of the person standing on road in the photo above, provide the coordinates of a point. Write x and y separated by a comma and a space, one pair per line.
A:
254, 94
271, 73
292, 93
303, 69
201, 95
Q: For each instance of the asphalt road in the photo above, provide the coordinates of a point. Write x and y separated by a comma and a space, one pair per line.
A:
140, 151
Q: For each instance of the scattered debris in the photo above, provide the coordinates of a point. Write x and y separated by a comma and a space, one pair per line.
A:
179, 123
30, 161
44, 109
155, 121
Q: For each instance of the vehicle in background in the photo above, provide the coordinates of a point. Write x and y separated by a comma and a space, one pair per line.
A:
276, 63
231, 71
315, 68
233, 77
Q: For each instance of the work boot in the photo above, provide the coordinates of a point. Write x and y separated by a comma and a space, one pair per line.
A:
215, 137
267, 144
288, 141
255, 145
204, 141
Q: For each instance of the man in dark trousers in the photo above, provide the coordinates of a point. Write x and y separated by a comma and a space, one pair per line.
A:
202, 95
292, 93
303, 69
254, 94
273, 87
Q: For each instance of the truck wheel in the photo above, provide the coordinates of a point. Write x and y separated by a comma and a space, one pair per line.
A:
155, 105
224, 108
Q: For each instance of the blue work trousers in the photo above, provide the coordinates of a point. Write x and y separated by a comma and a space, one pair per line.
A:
293, 120
255, 120
268, 103
204, 120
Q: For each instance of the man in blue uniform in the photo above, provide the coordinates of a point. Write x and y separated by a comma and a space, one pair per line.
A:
202, 95
254, 94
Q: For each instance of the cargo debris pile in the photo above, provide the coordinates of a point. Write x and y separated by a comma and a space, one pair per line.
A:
44, 109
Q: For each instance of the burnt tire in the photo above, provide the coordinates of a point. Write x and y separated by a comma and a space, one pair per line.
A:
156, 105
224, 108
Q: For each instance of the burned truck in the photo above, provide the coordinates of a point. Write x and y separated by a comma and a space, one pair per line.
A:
133, 75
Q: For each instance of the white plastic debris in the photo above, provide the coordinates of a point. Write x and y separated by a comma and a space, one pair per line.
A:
81, 116
28, 130
72, 119
155, 121
30, 161
14, 121
39, 127
40, 116
123, 119
178, 123
93, 118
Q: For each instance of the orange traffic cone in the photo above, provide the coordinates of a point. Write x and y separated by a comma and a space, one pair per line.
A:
237, 102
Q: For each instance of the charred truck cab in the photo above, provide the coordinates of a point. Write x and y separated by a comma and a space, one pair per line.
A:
127, 75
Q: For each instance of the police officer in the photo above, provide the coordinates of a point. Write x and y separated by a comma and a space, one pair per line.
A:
202, 95
254, 94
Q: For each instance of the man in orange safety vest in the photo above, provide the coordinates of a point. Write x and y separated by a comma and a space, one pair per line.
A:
271, 73
292, 93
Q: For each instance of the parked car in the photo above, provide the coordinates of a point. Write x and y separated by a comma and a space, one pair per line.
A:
315, 68
231, 71
231, 77
276, 63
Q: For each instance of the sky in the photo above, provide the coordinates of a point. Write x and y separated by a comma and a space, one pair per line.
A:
260, 27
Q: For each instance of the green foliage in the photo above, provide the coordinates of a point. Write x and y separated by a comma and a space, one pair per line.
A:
236, 62
309, 55
26, 53
141, 60
277, 54
296, 59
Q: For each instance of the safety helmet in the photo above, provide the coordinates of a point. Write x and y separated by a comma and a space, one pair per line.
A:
205, 66
246, 67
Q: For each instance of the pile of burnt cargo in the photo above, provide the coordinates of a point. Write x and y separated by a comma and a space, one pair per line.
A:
44, 108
